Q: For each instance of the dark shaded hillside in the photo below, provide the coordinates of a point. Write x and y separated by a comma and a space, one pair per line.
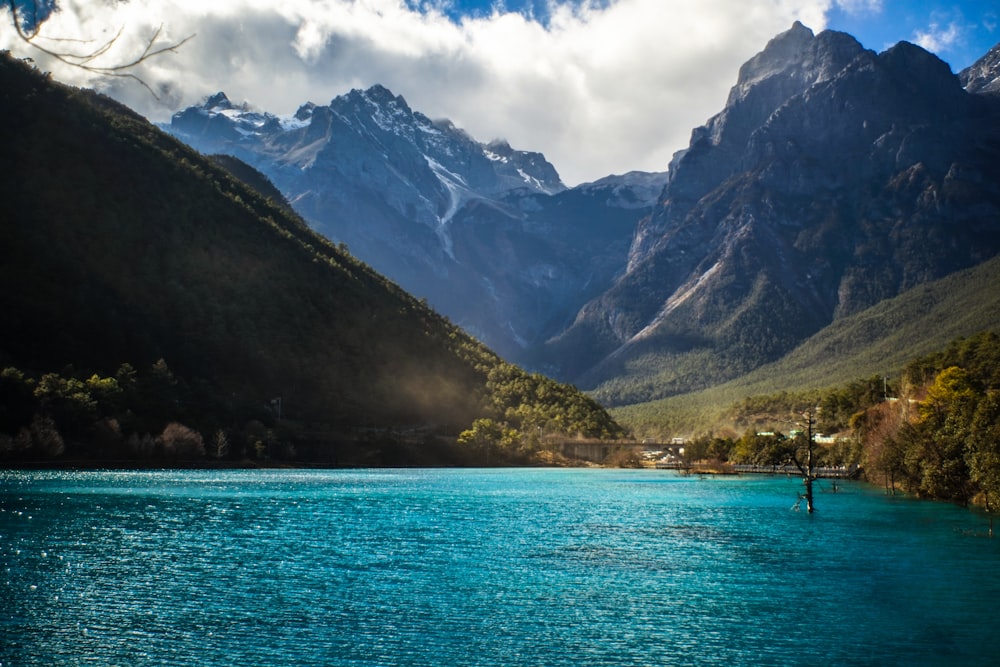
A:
256, 180
118, 244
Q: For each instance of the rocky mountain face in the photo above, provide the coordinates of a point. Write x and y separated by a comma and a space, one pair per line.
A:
983, 76
834, 178
488, 234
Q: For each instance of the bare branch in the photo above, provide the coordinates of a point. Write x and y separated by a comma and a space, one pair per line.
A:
87, 60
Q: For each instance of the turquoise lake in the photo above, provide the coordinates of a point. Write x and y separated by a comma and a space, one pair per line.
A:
549, 567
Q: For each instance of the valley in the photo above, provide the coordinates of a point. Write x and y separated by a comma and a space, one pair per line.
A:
838, 218
835, 180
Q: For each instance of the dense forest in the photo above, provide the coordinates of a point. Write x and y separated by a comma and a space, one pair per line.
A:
941, 437
154, 416
156, 307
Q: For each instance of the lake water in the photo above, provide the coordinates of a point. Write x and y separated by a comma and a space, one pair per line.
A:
485, 567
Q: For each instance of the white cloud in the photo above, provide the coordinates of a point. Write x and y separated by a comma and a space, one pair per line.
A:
856, 7
602, 87
938, 38
989, 21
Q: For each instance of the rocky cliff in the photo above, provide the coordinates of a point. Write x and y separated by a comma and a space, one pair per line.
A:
834, 178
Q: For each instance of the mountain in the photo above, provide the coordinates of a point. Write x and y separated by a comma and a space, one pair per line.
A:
877, 342
241, 171
983, 76
144, 285
489, 235
834, 178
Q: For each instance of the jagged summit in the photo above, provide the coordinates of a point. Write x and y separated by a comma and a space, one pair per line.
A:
378, 95
834, 178
983, 76
793, 60
787, 67
781, 52
305, 111
218, 101
377, 102
488, 233
372, 115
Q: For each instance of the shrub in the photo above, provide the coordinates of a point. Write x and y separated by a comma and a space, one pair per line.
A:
179, 441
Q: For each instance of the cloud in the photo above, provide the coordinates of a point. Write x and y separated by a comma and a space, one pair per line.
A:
938, 38
856, 7
599, 86
950, 33
989, 21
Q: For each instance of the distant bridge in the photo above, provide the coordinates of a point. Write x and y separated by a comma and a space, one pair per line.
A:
831, 472
825, 472
595, 451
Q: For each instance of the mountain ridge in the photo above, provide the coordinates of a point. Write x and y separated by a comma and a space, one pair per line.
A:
879, 341
983, 76
835, 177
489, 235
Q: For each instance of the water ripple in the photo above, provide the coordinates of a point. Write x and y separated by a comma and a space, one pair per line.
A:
481, 568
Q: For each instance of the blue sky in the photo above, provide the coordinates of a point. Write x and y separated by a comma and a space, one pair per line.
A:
959, 32
599, 86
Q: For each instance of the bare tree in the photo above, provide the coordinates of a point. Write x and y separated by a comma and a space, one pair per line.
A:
800, 451
87, 55
805, 461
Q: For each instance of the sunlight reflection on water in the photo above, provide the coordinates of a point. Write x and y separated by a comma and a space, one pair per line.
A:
482, 567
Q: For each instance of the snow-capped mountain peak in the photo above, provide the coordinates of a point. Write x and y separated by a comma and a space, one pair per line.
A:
377, 118
488, 233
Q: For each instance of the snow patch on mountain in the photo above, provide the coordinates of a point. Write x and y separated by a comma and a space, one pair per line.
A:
458, 194
488, 234
531, 180
680, 296
290, 122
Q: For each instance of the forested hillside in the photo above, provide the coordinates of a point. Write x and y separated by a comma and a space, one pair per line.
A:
879, 341
144, 286
941, 438
934, 431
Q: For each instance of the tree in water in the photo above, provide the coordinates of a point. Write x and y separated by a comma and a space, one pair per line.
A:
805, 460
774, 449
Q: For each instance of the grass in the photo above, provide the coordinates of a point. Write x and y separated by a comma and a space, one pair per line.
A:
878, 341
